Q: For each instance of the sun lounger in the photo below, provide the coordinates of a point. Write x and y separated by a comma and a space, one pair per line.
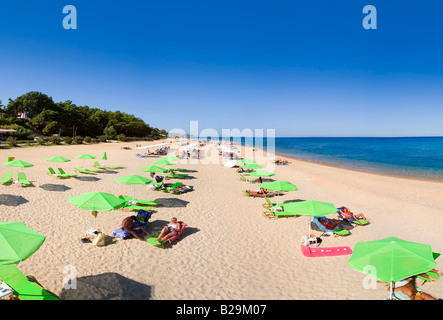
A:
55, 174
157, 185
67, 174
174, 175
325, 252
142, 202
97, 165
23, 288
88, 169
248, 179
143, 217
175, 188
22, 179
358, 222
6, 178
169, 241
255, 194
336, 232
141, 155
274, 214
84, 171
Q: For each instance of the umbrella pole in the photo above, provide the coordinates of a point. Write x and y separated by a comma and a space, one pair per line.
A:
390, 291
310, 219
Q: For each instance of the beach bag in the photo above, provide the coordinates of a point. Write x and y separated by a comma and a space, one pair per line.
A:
99, 240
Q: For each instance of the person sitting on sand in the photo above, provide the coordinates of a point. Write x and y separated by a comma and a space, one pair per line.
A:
171, 230
128, 224
347, 214
329, 224
181, 188
409, 288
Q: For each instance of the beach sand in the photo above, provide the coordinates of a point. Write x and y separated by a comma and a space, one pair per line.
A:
229, 250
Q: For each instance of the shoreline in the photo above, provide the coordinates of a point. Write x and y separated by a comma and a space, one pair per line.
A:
378, 172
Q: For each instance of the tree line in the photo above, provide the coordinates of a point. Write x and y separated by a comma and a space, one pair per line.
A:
35, 113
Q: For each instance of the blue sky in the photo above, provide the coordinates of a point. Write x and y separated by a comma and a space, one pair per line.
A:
304, 68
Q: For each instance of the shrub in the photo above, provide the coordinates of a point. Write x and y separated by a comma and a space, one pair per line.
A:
55, 140
87, 139
78, 140
102, 138
122, 137
67, 140
12, 141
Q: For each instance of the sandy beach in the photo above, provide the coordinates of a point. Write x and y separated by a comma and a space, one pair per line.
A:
229, 250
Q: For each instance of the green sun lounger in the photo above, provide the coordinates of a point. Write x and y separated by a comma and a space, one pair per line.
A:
274, 214
6, 178
66, 174
99, 166
21, 286
22, 179
136, 208
157, 185
142, 202
58, 175
174, 175
92, 170
84, 171
154, 242
248, 179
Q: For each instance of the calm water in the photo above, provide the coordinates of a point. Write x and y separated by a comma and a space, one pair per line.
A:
417, 157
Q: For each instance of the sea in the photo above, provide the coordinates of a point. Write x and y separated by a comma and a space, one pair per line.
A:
410, 157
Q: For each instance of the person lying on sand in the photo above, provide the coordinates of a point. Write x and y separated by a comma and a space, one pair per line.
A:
424, 275
128, 224
172, 229
329, 224
347, 214
408, 287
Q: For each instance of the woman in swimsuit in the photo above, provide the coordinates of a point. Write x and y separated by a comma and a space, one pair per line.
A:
172, 229
409, 288
346, 213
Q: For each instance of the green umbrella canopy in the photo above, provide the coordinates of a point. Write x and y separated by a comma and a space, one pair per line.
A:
153, 169
171, 158
57, 159
134, 179
164, 162
262, 173
252, 166
246, 161
310, 208
85, 156
392, 259
105, 157
18, 164
97, 201
279, 186
18, 242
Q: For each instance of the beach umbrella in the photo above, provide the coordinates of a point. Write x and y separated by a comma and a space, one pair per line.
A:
311, 209
164, 162
393, 259
246, 161
252, 166
262, 173
231, 163
97, 201
104, 156
18, 164
280, 186
85, 156
18, 242
134, 180
57, 159
153, 169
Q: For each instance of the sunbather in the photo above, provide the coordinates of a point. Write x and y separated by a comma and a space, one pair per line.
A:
347, 214
128, 224
408, 287
329, 224
181, 188
427, 276
172, 229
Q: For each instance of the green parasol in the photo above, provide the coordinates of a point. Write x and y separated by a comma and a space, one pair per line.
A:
85, 156
246, 161
18, 164
18, 242
104, 156
57, 159
310, 208
281, 186
153, 169
164, 162
262, 173
393, 259
134, 180
171, 158
97, 201
252, 166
